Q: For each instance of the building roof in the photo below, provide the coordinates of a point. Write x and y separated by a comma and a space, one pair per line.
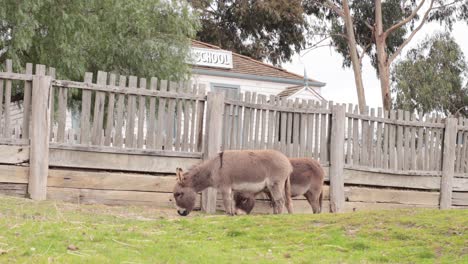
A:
290, 91
248, 68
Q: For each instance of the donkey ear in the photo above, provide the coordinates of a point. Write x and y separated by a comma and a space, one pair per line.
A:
179, 173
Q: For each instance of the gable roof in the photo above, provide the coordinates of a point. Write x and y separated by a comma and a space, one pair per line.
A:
290, 91
248, 68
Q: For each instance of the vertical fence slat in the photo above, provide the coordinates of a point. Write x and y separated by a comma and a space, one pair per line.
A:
7, 115
289, 129
246, 126
323, 134
349, 136
356, 137
178, 118
161, 128
200, 118
232, 137
310, 130
272, 134
400, 148
386, 154
406, 142
370, 139
120, 113
98, 117
240, 122
86, 111
141, 115
110, 113
26, 103
187, 109
193, 113
170, 118
150, 122
439, 146
379, 143
303, 130
413, 145
263, 128
365, 139
62, 113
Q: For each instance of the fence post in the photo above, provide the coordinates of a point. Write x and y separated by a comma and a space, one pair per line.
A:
337, 197
39, 134
213, 142
448, 163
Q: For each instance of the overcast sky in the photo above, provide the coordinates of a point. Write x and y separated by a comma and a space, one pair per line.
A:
325, 65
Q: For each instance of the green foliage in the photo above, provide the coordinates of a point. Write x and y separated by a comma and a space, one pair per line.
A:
271, 30
431, 77
144, 38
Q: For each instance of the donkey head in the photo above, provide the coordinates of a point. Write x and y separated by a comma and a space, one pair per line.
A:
184, 196
244, 202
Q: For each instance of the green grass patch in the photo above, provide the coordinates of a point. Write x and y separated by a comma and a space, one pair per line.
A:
54, 232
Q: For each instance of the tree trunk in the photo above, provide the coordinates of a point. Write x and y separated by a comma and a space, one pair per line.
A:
382, 63
354, 57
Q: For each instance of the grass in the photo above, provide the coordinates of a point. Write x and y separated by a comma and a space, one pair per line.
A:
53, 232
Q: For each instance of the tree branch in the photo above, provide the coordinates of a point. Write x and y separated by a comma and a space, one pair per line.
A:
333, 7
423, 21
364, 51
406, 20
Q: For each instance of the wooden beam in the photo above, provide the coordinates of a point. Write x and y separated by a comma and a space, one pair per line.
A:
13, 189
110, 181
88, 196
460, 198
118, 162
213, 141
391, 180
14, 174
360, 194
14, 154
39, 153
337, 198
448, 163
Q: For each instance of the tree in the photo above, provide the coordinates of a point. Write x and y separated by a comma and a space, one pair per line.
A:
379, 29
144, 38
431, 77
264, 30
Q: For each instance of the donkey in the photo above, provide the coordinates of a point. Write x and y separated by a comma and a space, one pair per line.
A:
306, 179
237, 170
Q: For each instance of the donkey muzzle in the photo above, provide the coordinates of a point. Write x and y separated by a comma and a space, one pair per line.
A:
182, 212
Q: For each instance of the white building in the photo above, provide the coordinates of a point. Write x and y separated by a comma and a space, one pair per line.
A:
227, 71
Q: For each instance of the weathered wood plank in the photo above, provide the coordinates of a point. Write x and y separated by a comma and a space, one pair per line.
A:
62, 113
193, 139
323, 134
26, 102
131, 109
360, 194
141, 115
386, 154
151, 121
391, 180
213, 145
161, 128
378, 141
392, 143
14, 174
406, 143
110, 113
118, 162
460, 198
337, 198
295, 130
400, 151
14, 189
365, 139
89, 196
200, 120
363, 206
356, 137
14, 154
460, 184
119, 126
187, 110
446, 184
169, 144
178, 117
85, 111
7, 115
98, 117
349, 137
39, 154
110, 181
272, 132
247, 122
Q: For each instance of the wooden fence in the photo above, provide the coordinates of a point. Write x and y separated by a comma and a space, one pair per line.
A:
131, 133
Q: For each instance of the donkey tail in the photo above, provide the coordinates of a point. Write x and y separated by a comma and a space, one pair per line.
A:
287, 191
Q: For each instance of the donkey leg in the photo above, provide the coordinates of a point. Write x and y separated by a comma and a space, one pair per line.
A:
277, 194
313, 200
227, 201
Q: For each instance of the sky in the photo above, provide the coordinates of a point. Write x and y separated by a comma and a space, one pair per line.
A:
325, 65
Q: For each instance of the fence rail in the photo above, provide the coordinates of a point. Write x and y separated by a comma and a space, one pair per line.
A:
135, 125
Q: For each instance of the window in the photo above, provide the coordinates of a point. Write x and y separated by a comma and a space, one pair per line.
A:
231, 91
